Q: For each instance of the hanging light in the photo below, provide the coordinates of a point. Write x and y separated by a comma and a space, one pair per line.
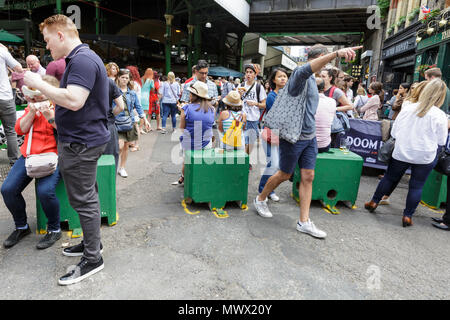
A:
418, 39
442, 23
430, 30
208, 25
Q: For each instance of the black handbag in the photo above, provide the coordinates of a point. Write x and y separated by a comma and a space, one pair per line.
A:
443, 163
385, 151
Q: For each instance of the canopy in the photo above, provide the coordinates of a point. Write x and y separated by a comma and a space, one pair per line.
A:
9, 37
220, 71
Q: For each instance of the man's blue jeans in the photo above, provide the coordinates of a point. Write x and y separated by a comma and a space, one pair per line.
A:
169, 108
16, 181
395, 171
273, 164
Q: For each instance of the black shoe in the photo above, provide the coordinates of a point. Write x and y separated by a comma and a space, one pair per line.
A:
77, 250
441, 226
438, 220
49, 239
16, 236
82, 270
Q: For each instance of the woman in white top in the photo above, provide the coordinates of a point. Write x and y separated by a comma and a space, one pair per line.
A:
418, 131
370, 109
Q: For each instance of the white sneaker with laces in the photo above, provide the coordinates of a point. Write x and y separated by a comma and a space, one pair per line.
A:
122, 173
309, 228
262, 208
274, 197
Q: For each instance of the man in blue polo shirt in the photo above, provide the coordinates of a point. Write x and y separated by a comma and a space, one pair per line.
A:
81, 118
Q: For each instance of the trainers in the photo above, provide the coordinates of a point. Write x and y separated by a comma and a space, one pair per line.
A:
77, 250
163, 131
309, 228
274, 197
49, 239
179, 182
262, 208
16, 236
122, 173
82, 270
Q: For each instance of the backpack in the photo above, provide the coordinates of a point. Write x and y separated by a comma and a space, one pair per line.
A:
233, 136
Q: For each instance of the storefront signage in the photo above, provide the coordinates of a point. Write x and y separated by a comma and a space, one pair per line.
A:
434, 40
399, 48
240, 9
287, 62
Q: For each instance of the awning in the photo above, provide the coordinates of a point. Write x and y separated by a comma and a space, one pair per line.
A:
9, 37
220, 71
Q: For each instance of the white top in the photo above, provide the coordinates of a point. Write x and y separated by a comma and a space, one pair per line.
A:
417, 139
6, 60
326, 110
349, 95
253, 112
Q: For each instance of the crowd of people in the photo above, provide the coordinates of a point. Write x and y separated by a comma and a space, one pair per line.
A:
80, 109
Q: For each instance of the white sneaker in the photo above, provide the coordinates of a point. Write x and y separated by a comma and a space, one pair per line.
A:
262, 208
309, 228
122, 173
274, 197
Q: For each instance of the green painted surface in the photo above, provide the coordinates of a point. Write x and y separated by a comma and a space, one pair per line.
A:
434, 191
337, 177
106, 180
215, 177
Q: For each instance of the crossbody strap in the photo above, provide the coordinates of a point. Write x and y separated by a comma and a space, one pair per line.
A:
30, 135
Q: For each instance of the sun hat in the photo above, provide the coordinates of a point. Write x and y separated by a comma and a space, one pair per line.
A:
200, 89
233, 99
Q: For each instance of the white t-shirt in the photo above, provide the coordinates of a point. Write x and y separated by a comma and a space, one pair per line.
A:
253, 112
6, 60
417, 139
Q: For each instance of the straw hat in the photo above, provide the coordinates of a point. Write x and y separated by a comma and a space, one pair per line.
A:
233, 99
200, 89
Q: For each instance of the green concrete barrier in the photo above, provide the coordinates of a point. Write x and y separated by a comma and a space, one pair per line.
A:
435, 190
216, 177
106, 181
337, 178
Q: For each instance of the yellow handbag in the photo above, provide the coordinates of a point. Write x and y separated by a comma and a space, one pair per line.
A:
233, 136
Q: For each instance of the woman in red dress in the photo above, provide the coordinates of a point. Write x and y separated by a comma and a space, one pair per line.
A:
154, 100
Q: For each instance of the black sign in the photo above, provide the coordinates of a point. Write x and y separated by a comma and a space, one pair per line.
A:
399, 48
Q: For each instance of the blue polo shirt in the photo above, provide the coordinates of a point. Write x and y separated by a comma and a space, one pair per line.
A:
89, 124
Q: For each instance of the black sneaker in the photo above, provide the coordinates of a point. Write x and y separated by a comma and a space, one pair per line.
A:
82, 270
77, 250
49, 239
16, 236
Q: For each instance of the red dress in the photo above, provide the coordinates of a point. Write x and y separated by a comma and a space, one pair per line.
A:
153, 99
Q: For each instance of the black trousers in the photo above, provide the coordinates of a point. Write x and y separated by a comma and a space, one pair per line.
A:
446, 216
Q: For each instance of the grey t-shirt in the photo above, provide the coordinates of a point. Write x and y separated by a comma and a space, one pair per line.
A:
299, 77
337, 94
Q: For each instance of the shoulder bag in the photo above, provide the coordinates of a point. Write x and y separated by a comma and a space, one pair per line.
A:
39, 165
124, 122
385, 151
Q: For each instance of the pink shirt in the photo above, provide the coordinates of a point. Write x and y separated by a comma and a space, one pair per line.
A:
370, 109
56, 68
325, 113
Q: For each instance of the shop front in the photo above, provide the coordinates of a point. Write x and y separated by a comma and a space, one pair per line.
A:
434, 50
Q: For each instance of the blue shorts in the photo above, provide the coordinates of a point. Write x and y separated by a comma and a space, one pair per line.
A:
251, 132
303, 152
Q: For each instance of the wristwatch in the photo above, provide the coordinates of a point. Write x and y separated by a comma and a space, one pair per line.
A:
52, 120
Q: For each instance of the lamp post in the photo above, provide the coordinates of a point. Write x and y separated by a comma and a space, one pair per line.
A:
168, 35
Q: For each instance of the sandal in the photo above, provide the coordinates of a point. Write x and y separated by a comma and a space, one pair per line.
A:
133, 149
180, 182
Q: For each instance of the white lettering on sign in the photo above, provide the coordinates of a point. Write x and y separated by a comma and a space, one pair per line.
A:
445, 34
365, 143
76, 16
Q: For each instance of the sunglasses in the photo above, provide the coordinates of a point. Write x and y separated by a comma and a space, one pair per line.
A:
124, 70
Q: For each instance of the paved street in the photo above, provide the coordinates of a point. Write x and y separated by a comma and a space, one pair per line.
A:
158, 251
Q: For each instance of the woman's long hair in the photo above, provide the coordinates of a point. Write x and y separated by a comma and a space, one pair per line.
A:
432, 95
135, 74
171, 77
205, 104
121, 73
415, 91
109, 66
148, 75
378, 88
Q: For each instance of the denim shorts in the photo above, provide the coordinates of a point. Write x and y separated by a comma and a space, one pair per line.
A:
303, 152
251, 132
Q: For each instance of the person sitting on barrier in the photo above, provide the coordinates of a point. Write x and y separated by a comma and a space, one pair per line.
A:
370, 109
233, 111
40, 115
304, 151
196, 121
326, 110
277, 80
131, 103
419, 130
399, 99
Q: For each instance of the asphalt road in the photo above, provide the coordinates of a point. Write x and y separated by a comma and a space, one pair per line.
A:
158, 251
